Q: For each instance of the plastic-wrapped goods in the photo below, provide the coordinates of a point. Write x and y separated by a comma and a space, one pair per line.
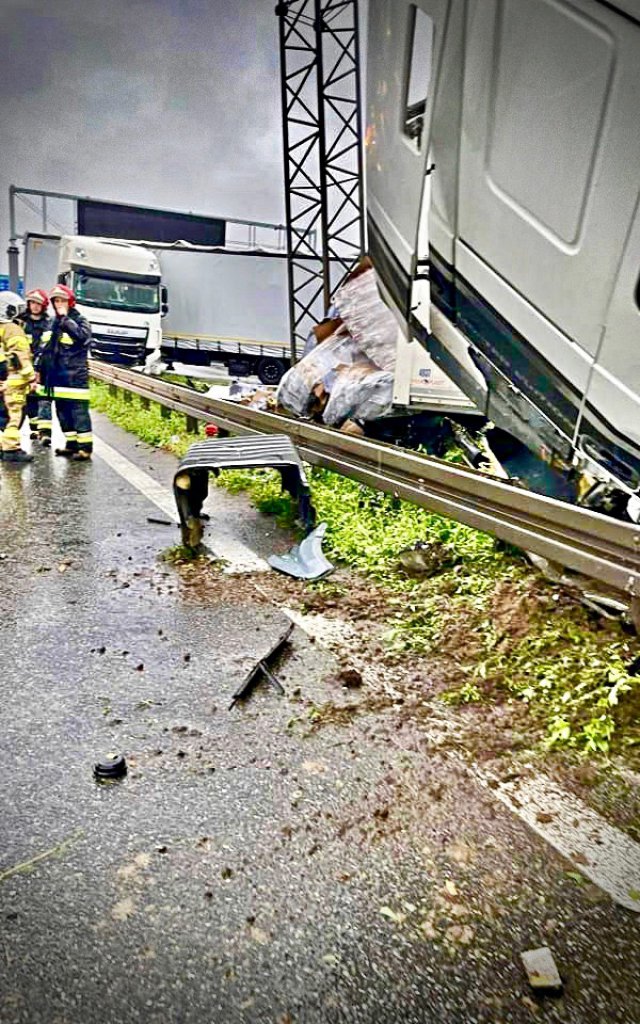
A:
369, 320
298, 391
359, 392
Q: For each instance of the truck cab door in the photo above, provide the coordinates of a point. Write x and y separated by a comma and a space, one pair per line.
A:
400, 75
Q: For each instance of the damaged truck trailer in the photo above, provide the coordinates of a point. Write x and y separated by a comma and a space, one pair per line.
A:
504, 222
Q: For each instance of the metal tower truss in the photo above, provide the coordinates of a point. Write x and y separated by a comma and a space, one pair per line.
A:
322, 130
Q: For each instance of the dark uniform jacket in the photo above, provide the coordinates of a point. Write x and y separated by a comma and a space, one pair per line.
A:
62, 359
34, 329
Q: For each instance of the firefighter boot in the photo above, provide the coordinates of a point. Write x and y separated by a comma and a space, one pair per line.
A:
16, 455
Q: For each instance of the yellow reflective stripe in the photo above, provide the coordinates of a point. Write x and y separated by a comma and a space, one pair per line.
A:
64, 338
83, 438
81, 394
70, 435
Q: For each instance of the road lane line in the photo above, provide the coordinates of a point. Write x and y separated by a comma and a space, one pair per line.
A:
238, 556
600, 851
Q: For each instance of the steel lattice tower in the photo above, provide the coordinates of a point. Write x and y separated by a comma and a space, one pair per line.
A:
322, 131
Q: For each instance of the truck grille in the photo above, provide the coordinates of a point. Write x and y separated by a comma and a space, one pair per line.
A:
125, 346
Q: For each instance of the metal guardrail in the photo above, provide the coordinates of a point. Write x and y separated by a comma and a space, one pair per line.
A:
579, 539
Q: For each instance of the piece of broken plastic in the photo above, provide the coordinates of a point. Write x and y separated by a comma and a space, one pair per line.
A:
306, 560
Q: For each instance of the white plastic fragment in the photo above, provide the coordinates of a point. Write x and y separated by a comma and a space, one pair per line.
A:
541, 969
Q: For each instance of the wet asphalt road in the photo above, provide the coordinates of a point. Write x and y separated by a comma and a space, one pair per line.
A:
250, 868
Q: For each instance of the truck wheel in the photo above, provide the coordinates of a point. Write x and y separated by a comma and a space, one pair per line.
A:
270, 371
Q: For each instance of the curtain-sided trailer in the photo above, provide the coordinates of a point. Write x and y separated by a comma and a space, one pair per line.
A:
503, 209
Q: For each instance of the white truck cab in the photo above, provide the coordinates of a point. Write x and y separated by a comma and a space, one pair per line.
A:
117, 286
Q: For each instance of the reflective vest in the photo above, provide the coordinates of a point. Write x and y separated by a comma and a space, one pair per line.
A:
16, 367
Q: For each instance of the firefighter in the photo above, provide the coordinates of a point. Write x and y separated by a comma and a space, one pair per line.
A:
34, 323
64, 373
16, 369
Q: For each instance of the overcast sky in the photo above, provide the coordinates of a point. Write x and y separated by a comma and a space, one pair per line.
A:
160, 102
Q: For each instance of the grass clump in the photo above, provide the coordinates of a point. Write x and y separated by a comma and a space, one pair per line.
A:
264, 488
574, 676
147, 424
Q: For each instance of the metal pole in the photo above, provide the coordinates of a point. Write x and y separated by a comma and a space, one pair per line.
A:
281, 11
44, 215
14, 267
322, 160
12, 252
118, 202
12, 214
361, 186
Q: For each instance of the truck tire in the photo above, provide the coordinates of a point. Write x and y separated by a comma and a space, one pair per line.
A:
270, 371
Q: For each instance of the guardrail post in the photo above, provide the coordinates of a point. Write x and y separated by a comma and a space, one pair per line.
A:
144, 402
165, 412
192, 425
127, 397
113, 391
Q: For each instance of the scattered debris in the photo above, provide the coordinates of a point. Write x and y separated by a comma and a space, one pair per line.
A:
394, 915
426, 560
305, 561
191, 482
262, 667
160, 522
541, 970
259, 936
114, 766
350, 678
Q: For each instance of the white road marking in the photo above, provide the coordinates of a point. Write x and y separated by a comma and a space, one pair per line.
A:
601, 852
238, 556
152, 490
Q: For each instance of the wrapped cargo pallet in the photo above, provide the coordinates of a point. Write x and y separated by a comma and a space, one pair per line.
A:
359, 392
368, 319
307, 384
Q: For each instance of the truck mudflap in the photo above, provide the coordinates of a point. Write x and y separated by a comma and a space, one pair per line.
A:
259, 451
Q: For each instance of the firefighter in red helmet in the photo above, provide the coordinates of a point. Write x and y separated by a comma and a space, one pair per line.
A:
64, 372
34, 322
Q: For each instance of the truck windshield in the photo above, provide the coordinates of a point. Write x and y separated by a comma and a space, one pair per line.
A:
112, 293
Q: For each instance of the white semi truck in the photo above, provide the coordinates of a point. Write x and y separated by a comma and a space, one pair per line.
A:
117, 285
504, 218
120, 287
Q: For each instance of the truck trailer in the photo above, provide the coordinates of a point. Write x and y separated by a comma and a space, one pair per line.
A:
503, 209
122, 288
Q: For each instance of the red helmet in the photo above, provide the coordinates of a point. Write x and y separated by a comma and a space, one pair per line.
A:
60, 291
38, 295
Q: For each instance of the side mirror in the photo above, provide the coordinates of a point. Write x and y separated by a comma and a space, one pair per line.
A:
164, 309
164, 300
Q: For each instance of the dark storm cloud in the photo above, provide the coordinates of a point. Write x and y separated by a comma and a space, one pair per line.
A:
164, 102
